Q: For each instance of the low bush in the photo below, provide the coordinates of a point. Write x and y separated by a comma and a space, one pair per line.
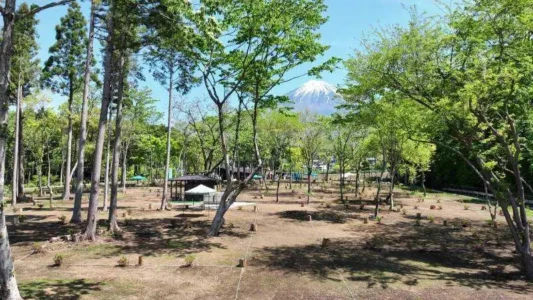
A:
58, 260
123, 262
189, 260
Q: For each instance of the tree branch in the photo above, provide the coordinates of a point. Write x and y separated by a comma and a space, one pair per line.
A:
41, 8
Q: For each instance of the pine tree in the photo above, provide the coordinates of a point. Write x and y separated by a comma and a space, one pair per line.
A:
63, 71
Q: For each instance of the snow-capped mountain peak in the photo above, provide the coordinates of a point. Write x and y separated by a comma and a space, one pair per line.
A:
316, 96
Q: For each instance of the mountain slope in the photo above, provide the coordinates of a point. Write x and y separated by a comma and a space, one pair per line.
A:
316, 96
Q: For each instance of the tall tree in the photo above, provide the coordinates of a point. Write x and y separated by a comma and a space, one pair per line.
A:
76, 211
249, 48
8, 283
63, 71
170, 61
468, 74
24, 72
311, 141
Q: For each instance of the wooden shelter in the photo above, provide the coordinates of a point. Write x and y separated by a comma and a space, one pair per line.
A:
184, 183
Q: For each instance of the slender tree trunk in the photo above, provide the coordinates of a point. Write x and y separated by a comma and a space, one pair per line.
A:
66, 187
341, 182
277, 188
378, 198
169, 123
309, 173
20, 169
391, 189
290, 177
357, 172
113, 225
76, 212
424, 182
90, 231
8, 283
327, 171
16, 147
124, 167
40, 177
49, 173
106, 179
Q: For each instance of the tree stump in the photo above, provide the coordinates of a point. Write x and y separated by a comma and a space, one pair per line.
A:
242, 263
419, 216
365, 220
124, 215
325, 242
140, 263
255, 208
150, 206
302, 204
253, 227
432, 207
445, 222
310, 218
483, 207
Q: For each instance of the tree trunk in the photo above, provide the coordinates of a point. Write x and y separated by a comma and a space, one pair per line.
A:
113, 225
49, 173
378, 199
357, 172
290, 177
16, 147
124, 167
341, 182
8, 283
391, 189
327, 171
277, 188
76, 212
40, 177
424, 182
169, 122
20, 169
90, 231
106, 179
309, 173
66, 187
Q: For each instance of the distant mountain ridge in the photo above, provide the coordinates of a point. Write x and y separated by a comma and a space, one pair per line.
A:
316, 96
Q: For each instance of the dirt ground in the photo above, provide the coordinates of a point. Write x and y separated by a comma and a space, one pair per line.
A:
397, 259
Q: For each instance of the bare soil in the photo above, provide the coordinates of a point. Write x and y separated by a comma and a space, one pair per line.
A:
397, 259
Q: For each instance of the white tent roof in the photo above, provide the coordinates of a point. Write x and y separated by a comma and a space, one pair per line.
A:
200, 190
346, 175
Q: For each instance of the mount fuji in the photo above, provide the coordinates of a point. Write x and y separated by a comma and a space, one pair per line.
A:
316, 96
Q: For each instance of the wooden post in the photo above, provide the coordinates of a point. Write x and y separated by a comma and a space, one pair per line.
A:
365, 220
325, 242
445, 222
140, 263
310, 218
253, 227
419, 216
255, 208
242, 263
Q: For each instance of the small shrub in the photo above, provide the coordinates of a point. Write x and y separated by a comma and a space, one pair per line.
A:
21, 218
130, 212
328, 205
438, 200
431, 219
239, 208
440, 207
37, 248
378, 219
432, 207
189, 260
415, 207
404, 211
169, 205
123, 261
467, 207
62, 218
465, 223
118, 235
40, 205
58, 260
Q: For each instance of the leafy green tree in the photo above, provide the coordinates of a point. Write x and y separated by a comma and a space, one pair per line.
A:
248, 48
311, 141
468, 75
64, 69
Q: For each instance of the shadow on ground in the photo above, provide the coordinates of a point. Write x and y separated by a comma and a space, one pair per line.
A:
406, 254
57, 289
322, 215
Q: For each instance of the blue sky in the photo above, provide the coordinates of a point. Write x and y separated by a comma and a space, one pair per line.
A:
349, 21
